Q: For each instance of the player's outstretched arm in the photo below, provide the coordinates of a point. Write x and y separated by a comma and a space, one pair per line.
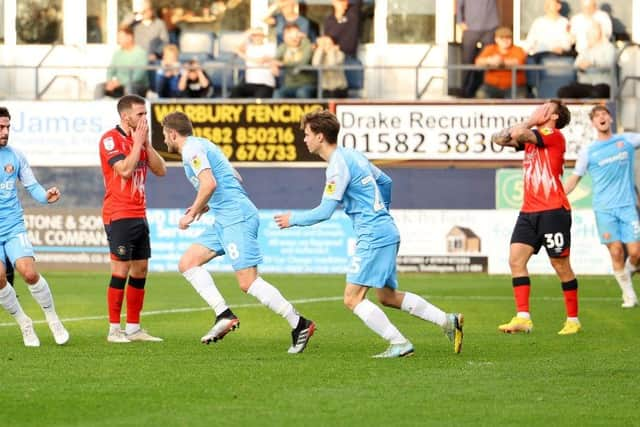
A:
318, 214
571, 183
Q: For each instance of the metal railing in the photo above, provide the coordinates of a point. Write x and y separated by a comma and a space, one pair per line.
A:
438, 72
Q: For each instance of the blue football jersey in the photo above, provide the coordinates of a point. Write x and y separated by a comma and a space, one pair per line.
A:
351, 180
229, 203
13, 168
610, 164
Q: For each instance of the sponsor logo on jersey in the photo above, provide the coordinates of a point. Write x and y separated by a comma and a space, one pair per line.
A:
196, 163
546, 131
620, 144
108, 143
621, 156
7, 185
330, 188
8, 168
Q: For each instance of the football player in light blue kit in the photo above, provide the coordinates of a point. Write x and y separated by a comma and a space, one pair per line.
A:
365, 194
14, 242
609, 161
235, 232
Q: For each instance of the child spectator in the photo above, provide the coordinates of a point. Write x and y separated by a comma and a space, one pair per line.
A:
328, 54
259, 80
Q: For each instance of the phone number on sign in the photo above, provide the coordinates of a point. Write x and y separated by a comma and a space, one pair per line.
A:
242, 135
412, 144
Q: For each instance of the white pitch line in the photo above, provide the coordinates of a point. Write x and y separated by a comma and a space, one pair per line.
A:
181, 310
321, 299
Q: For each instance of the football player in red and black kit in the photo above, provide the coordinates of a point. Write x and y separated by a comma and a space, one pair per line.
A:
126, 154
545, 217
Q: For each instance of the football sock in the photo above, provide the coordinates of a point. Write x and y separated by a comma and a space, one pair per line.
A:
419, 307
42, 294
623, 277
570, 291
521, 290
203, 283
135, 301
271, 297
115, 296
378, 322
630, 267
10, 303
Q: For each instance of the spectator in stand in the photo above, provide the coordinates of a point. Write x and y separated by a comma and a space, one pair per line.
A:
501, 57
259, 79
150, 33
548, 36
167, 14
121, 78
595, 68
284, 12
328, 54
194, 82
478, 20
343, 26
294, 52
168, 75
581, 24
549, 33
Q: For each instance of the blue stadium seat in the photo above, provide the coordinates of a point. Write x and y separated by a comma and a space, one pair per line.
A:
552, 79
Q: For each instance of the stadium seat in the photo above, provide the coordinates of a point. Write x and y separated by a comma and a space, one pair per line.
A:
551, 79
196, 44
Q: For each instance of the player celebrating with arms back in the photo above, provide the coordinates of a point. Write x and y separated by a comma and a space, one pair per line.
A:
14, 242
125, 155
609, 161
365, 192
545, 217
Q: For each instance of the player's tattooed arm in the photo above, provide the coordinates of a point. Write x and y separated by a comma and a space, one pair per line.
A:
503, 137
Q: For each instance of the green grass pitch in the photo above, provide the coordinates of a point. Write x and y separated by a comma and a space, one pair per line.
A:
249, 379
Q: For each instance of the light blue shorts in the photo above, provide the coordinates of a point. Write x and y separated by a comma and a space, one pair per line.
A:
239, 241
17, 246
618, 225
374, 267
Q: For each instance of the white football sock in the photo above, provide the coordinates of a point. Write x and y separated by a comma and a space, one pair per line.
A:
10, 303
131, 328
271, 297
623, 277
203, 283
523, 315
42, 294
378, 322
114, 327
419, 307
630, 267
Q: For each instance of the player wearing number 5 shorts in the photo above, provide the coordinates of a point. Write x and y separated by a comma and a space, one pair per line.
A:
545, 217
365, 194
233, 230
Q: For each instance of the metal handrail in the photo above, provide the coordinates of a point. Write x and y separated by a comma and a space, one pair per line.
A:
234, 68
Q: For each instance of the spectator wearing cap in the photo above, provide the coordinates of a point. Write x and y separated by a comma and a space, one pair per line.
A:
478, 20
500, 58
259, 79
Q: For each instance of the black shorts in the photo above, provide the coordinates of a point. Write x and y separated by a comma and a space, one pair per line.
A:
549, 228
129, 239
